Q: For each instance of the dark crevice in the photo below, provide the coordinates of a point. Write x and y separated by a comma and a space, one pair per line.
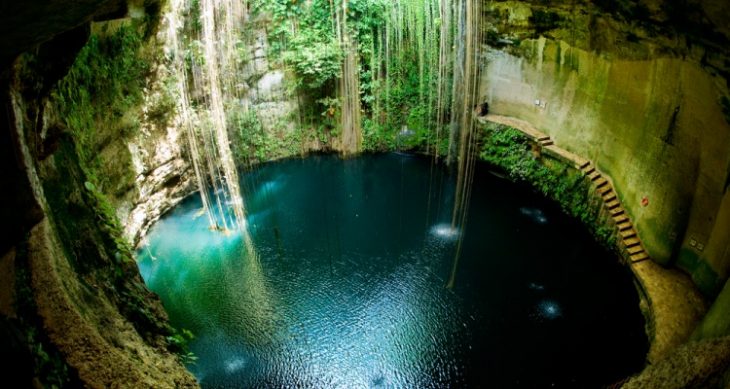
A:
668, 137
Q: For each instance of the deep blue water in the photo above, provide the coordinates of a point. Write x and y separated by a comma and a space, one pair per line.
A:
349, 289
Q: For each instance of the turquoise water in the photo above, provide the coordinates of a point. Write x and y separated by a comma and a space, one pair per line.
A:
349, 288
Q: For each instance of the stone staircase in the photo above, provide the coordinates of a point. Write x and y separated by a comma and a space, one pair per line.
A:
544, 141
675, 304
629, 242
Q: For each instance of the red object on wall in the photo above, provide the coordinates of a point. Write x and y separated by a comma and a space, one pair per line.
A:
644, 201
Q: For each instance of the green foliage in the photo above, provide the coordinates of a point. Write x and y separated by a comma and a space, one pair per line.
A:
315, 59
162, 105
303, 36
179, 344
251, 139
104, 84
253, 144
99, 100
404, 99
194, 25
376, 137
367, 14
398, 58
510, 150
194, 55
91, 234
545, 20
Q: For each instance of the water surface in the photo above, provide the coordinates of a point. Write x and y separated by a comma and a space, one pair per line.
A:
349, 290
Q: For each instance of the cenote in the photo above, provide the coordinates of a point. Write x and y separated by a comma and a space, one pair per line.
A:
349, 288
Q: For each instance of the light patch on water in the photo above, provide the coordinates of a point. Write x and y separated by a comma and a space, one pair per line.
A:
535, 286
234, 201
267, 189
445, 231
549, 310
234, 364
269, 186
535, 214
198, 214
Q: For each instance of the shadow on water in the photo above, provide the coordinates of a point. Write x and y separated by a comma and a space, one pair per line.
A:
349, 287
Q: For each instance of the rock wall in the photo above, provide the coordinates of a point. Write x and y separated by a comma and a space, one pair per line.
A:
268, 94
651, 119
162, 172
72, 302
271, 93
157, 154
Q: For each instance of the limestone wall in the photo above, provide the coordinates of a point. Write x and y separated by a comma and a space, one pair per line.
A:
157, 154
655, 126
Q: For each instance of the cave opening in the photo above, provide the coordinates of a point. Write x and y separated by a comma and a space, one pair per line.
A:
365, 193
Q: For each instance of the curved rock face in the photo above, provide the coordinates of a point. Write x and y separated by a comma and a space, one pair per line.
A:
73, 295
642, 89
100, 344
109, 330
646, 100
162, 174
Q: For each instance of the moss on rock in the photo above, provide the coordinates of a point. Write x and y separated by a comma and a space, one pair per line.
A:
717, 321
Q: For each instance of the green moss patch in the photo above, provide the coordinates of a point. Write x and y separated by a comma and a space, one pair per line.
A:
717, 321
511, 150
706, 279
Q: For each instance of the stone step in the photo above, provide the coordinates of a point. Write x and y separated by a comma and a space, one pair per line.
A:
547, 143
585, 165
543, 138
642, 256
613, 204
628, 233
631, 242
609, 197
616, 211
635, 250
594, 175
604, 190
601, 182
625, 226
620, 219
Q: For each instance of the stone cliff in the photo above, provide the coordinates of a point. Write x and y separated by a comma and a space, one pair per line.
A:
646, 99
